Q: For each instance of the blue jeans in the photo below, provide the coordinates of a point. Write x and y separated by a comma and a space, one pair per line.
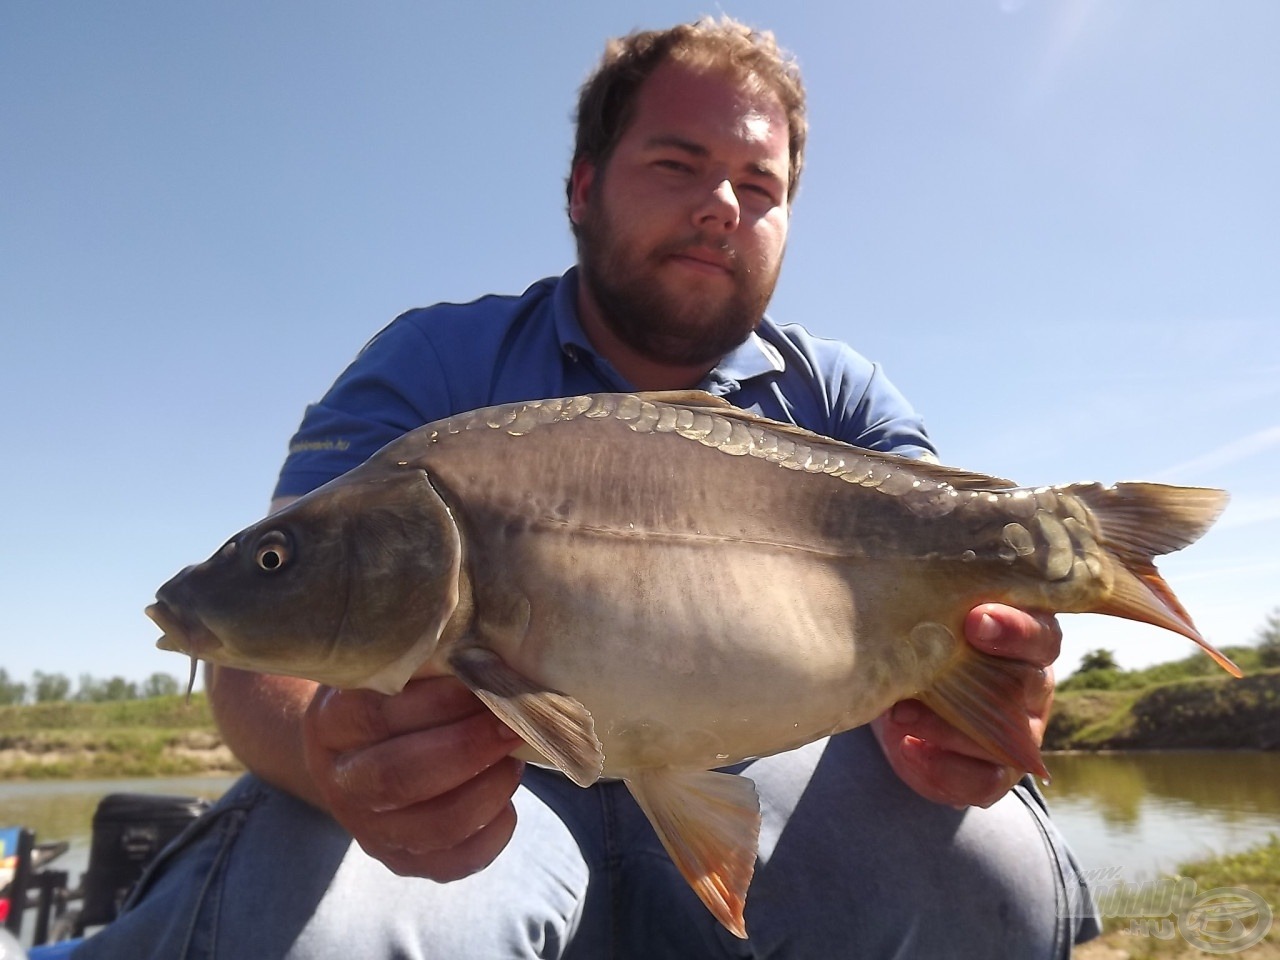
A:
852, 863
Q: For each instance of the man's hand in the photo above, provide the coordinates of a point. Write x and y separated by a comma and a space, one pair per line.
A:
422, 779
938, 761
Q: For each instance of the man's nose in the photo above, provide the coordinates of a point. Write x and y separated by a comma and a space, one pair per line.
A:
719, 208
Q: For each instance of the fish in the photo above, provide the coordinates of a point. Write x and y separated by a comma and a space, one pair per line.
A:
652, 587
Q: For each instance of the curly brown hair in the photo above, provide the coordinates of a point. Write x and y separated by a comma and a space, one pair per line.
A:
607, 99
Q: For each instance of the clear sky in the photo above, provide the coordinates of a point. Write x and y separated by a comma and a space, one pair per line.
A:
1055, 222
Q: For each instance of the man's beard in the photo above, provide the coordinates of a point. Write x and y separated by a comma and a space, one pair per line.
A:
639, 311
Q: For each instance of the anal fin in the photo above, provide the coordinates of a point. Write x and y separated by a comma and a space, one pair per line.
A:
983, 696
554, 724
709, 824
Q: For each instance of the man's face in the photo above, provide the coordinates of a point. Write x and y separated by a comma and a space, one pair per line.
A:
681, 233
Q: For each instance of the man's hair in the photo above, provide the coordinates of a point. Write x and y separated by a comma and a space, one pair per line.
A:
607, 100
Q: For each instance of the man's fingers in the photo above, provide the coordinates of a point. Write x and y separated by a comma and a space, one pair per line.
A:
450, 819
940, 762
911, 718
1039, 697
947, 776
1008, 632
454, 862
425, 784
402, 771
345, 720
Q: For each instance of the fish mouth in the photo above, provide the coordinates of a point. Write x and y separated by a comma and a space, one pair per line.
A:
182, 634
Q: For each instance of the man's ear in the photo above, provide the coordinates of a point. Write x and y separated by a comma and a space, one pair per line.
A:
581, 178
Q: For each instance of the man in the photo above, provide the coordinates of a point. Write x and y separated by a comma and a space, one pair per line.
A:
906, 842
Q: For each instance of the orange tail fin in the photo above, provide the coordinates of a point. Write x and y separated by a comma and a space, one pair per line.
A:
1138, 522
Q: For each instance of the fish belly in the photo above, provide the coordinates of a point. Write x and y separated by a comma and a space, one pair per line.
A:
695, 655
705, 607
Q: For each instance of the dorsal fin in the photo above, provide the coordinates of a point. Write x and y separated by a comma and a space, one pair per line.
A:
687, 398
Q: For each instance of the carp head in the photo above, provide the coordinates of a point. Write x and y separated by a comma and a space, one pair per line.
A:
351, 585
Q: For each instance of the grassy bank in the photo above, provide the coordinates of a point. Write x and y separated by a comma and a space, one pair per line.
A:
162, 736
1183, 704
1214, 712
1257, 870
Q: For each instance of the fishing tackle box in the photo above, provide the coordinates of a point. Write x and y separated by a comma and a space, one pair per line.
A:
129, 829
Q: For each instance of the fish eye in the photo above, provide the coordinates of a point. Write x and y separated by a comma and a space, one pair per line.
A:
273, 551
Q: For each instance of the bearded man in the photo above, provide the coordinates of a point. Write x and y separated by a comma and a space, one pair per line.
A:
380, 826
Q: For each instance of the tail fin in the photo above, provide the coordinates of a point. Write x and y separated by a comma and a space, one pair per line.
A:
1138, 522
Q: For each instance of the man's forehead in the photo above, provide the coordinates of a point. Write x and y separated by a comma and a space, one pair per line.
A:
700, 103
756, 125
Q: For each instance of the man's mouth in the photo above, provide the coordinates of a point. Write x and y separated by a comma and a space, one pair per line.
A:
703, 260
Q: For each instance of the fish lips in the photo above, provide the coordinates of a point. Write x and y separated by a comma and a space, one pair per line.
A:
183, 634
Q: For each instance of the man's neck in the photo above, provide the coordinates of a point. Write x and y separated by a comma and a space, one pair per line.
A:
639, 370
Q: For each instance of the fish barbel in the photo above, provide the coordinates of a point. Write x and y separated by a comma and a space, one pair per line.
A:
653, 586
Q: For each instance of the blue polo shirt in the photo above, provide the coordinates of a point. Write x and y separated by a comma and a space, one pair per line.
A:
436, 361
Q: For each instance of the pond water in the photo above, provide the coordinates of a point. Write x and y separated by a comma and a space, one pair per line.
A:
63, 809
1146, 812
1141, 813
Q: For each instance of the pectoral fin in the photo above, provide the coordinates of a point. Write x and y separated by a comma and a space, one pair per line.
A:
554, 724
710, 825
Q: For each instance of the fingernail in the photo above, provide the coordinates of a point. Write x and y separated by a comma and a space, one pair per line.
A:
506, 733
906, 712
988, 629
911, 749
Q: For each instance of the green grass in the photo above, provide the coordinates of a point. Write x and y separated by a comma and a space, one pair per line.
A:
163, 736
174, 712
1193, 666
1187, 712
1079, 717
1256, 869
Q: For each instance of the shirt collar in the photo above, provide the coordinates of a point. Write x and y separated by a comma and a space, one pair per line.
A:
754, 357
573, 339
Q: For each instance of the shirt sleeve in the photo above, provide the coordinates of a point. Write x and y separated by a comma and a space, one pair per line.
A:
827, 386
394, 385
879, 417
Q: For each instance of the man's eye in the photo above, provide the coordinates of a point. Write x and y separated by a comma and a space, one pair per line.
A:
762, 193
674, 165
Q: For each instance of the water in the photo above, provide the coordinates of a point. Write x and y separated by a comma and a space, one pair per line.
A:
1140, 812
1146, 812
63, 809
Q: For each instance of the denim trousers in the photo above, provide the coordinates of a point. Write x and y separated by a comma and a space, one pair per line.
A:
852, 864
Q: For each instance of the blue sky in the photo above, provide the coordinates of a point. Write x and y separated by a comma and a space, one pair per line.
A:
1055, 223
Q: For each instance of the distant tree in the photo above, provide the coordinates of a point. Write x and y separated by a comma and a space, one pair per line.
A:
1269, 640
90, 689
160, 685
11, 691
93, 690
1098, 670
118, 688
51, 687
1098, 660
